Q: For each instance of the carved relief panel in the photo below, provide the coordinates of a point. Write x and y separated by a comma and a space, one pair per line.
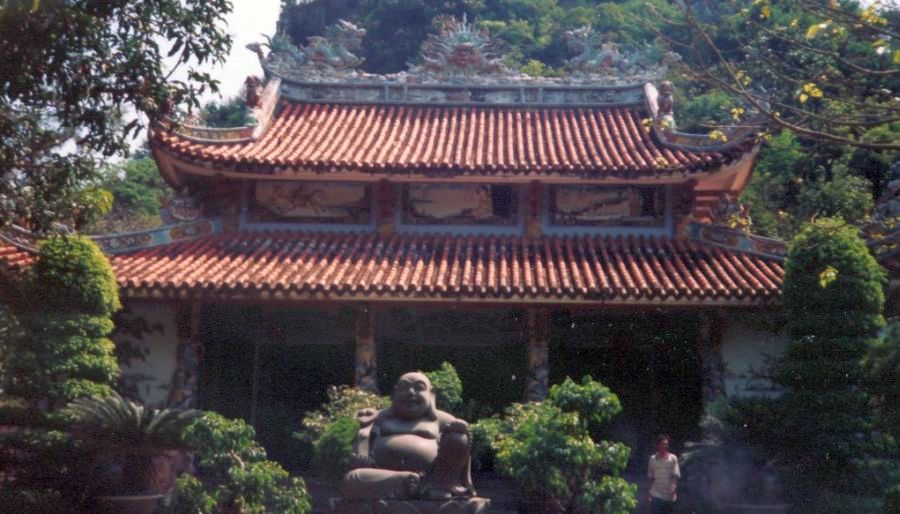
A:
459, 204
311, 202
597, 205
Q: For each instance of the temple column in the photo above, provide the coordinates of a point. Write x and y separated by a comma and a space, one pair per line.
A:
537, 386
365, 369
183, 392
709, 345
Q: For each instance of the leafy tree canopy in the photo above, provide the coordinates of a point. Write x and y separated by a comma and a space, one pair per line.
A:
70, 72
825, 70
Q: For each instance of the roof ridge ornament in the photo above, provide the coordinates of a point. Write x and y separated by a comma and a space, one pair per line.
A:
328, 56
610, 62
459, 49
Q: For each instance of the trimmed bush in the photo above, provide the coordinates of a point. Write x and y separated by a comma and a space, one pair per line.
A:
233, 473
548, 449
833, 298
331, 452
447, 386
57, 351
343, 402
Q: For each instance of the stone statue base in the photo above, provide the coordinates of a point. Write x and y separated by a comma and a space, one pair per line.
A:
474, 505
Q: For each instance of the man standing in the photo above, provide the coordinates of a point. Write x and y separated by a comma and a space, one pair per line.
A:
663, 473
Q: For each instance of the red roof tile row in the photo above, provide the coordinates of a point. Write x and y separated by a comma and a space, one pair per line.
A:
592, 268
14, 258
596, 142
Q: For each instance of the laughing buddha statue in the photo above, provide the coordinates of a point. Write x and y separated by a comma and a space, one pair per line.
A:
411, 450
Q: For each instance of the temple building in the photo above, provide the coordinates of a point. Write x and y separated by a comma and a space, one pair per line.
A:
522, 228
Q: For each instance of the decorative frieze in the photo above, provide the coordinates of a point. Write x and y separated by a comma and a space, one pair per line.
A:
116, 243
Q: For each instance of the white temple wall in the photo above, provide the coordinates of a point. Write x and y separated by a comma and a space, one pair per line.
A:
146, 344
749, 349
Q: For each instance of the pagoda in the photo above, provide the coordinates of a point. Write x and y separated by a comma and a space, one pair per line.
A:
532, 227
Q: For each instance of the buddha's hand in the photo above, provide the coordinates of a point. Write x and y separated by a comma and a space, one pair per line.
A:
361, 461
457, 425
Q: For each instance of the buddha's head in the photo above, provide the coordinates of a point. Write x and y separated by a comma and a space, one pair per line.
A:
413, 397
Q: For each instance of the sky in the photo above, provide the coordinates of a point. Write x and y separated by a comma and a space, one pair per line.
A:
246, 24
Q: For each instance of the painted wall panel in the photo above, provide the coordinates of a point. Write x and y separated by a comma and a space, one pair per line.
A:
146, 345
749, 350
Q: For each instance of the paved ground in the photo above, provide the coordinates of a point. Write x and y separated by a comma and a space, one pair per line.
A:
505, 497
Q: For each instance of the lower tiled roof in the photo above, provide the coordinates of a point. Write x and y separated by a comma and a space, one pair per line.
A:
13, 258
602, 269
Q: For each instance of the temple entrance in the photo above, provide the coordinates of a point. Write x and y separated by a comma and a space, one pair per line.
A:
486, 347
649, 359
269, 369
271, 366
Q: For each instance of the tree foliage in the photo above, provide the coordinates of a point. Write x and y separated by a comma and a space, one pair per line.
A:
882, 372
234, 473
833, 297
447, 386
826, 71
70, 72
57, 351
549, 450
137, 189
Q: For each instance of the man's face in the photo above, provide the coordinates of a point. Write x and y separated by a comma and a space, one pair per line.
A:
412, 396
662, 447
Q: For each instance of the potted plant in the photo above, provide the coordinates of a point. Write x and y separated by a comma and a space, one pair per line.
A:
137, 439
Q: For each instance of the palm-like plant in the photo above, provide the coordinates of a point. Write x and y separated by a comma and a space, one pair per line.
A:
133, 433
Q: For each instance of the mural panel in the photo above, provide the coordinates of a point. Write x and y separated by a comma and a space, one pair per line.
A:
146, 347
311, 202
459, 204
595, 205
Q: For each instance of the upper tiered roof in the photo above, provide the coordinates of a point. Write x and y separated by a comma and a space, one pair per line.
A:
458, 113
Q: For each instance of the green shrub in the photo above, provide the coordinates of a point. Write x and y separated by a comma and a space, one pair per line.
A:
233, 472
882, 365
331, 452
342, 402
833, 299
548, 449
484, 434
892, 500
190, 497
55, 351
447, 386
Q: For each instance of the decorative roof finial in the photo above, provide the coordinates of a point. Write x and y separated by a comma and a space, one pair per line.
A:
459, 49
331, 54
610, 62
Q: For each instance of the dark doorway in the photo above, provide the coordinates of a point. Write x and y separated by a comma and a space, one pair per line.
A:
298, 353
648, 359
486, 347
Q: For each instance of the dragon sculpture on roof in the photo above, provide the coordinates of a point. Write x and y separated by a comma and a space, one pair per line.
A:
331, 54
459, 49
612, 62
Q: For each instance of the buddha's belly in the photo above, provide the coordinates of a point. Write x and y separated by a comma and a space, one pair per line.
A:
405, 452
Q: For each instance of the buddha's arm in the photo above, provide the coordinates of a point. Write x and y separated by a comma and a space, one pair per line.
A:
449, 423
361, 457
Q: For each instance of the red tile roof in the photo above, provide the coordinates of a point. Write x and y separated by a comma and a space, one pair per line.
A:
578, 141
13, 258
474, 268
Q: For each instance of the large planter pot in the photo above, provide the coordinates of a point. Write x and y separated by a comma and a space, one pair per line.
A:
128, 504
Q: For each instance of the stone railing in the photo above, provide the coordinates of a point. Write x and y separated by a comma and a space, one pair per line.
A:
383, 90
261, 116
721, 139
